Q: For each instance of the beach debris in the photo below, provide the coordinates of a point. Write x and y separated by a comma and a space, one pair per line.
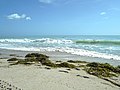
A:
82, 76
68, 69
47, 68
85, 76
78, 75
65, 64
13, 59
71, 61
63, 71
77, 69
58, 61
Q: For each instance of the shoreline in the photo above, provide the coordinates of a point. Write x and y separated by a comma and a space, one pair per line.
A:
54, 55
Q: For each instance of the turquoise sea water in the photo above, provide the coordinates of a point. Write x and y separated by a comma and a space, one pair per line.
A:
106, 47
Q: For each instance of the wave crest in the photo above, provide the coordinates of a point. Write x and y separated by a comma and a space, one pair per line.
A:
42, 40
103, 42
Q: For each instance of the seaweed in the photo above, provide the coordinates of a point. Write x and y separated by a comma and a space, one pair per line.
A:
12, 54
13, 59
36, 55
71, 61
65, 64
101, 70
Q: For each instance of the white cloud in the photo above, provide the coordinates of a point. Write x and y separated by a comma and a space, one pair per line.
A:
28, 18
17, 16
103, 13
14, 16
56, 2
23, 16
46, 1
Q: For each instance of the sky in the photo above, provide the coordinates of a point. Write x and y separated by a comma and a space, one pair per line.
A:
59, 17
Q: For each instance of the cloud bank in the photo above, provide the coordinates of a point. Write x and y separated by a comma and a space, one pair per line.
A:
18, 17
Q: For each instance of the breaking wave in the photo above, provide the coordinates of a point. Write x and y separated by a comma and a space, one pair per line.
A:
103, 42
42, 40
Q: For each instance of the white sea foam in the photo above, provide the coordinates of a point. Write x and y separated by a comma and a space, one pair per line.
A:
15, 40
42, 40
88, 53
74, 51
49, 40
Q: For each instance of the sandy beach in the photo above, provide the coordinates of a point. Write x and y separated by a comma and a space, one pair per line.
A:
37, 77
59, 45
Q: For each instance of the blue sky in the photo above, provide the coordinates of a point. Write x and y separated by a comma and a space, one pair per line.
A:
59, 17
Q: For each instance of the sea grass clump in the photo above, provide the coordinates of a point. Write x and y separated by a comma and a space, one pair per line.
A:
50, 64
65, 64
24, 62
43, 59
102, 65
93, 64
13, 59
36, 55
117, 69
71, 61
101, 70
108, 67
31, 59
118, 66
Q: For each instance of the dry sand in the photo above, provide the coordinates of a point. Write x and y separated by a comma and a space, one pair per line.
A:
36, 77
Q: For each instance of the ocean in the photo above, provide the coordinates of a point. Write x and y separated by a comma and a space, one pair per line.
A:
98, 46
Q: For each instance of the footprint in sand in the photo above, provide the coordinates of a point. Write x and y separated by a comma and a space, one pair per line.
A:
7, 86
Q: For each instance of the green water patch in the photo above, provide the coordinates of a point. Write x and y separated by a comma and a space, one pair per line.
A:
102, 42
